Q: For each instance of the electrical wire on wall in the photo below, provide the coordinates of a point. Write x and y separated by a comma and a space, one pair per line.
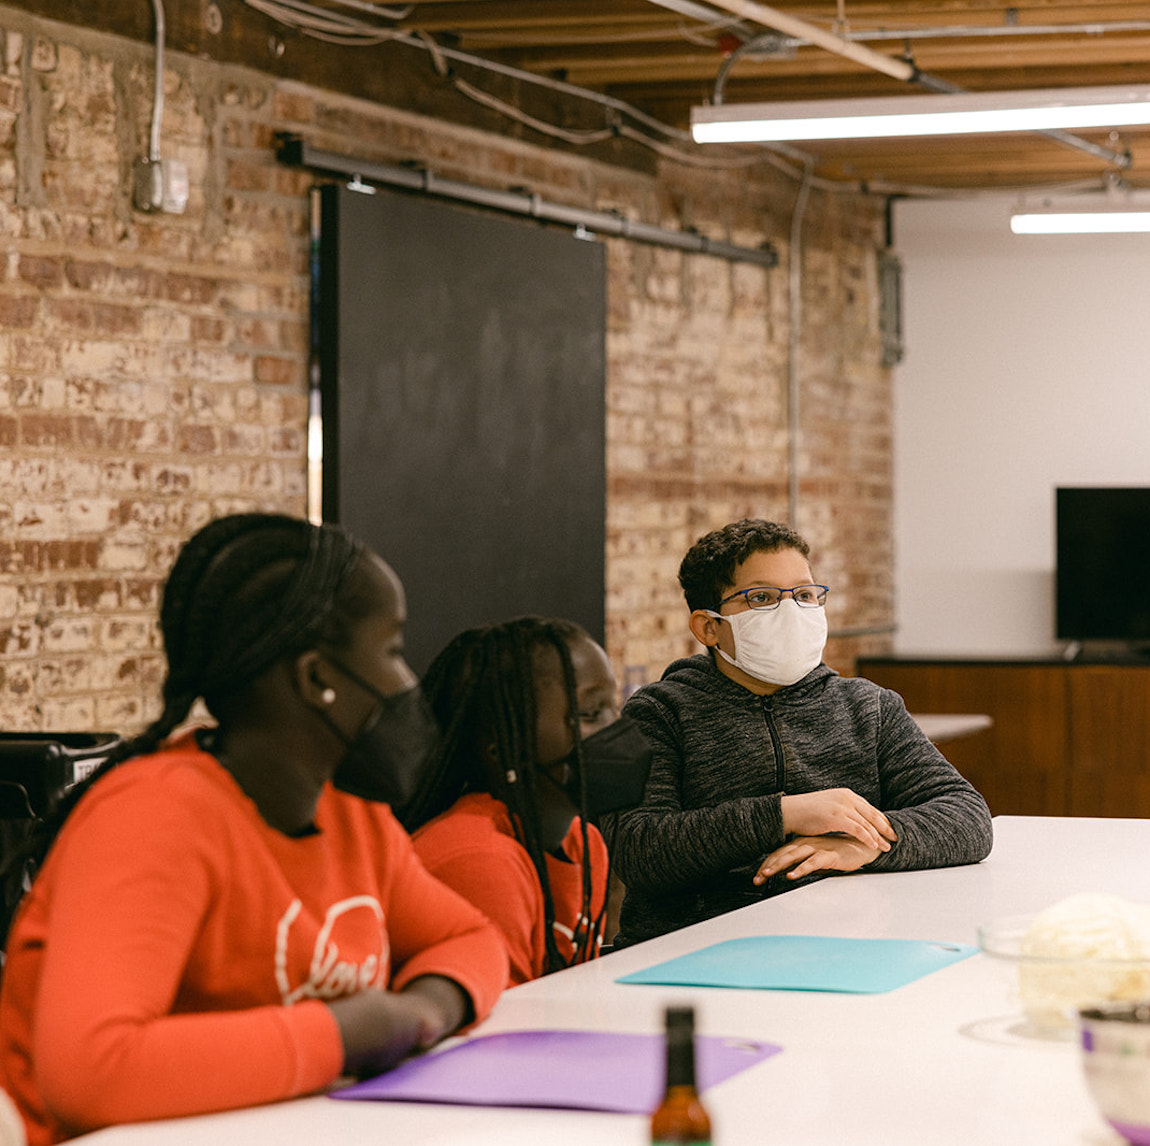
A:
623, 119
158, 92
333, 26
159, 184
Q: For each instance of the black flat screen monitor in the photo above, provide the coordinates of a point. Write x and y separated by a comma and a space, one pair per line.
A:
1102, 571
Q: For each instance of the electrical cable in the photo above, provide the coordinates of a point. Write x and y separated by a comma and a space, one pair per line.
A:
323, 24
596, 135
789, 161
158, 99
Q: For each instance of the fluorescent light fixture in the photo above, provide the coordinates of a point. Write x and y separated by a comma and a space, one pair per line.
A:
1081, 223
1116, 211
918, 115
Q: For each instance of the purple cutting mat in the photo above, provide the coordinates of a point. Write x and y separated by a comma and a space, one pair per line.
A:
575, 1070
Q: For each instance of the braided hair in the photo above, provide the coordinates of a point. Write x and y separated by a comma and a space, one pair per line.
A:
482, 688
245, 592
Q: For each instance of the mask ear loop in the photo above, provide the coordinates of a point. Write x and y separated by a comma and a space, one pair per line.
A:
328, 697
731, 660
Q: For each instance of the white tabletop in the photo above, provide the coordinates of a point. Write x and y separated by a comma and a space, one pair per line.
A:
932, 1063
951, 725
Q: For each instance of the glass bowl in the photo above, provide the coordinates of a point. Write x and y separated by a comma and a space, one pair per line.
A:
1115, 1041
1051, 988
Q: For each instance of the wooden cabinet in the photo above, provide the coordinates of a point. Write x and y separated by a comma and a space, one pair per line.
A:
1109, 741
1067, 739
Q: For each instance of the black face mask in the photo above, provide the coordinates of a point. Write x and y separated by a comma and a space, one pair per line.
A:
616, 759
386, 760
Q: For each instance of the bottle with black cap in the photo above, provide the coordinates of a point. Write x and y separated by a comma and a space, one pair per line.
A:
680, 1117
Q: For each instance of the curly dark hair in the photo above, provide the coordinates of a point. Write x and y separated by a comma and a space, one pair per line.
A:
708, 569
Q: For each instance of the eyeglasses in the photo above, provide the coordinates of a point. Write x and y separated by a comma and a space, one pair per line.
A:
769, 596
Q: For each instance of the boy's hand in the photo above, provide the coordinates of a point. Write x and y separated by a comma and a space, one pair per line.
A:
837, 810
806, 854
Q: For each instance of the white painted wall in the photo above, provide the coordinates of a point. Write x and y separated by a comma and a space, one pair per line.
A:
1027, 366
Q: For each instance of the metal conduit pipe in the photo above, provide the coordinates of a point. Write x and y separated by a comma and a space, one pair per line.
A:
959, 31
794, 344
1121, 159
158, 100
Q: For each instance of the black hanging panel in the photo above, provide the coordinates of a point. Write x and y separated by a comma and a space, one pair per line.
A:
462, 367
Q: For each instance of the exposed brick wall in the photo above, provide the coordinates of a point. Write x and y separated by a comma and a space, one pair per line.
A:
153, 368
698, 381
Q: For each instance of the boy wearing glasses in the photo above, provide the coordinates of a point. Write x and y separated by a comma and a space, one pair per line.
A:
769, 767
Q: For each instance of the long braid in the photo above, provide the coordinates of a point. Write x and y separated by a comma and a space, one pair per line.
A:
482, 689
450, 684
591, 929
244, 592
520, 747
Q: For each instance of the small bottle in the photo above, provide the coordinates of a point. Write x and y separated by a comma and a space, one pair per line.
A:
680, 1117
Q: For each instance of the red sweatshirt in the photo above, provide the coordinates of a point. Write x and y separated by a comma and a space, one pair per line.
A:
472, 848
174, 952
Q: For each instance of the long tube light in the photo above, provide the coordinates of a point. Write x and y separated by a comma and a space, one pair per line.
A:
1081, 221
885, 117
1115, 209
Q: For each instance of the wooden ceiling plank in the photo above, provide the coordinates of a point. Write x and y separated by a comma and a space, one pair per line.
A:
518, 18
1015, 66
511, 15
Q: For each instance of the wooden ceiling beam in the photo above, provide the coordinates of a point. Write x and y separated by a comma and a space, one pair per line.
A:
492, 22
1013, 65
571, 16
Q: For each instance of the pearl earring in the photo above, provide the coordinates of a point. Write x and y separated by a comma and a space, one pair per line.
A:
328, 696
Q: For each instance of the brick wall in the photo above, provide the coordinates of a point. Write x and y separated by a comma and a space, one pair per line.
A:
153, 368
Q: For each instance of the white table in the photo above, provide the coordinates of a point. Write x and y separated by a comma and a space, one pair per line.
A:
920, 1066
940, 726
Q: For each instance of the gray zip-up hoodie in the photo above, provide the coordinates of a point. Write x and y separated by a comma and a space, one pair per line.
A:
724, 756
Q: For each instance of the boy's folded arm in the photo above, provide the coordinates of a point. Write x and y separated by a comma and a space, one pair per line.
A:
951, 828
659, 849
940, 817
660, 845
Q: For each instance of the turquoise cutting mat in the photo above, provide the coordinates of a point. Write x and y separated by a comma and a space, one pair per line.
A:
805, 963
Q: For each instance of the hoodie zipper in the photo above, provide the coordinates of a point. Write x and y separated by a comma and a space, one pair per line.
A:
776, 746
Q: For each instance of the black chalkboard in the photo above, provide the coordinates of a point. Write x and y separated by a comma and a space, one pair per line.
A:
462, 364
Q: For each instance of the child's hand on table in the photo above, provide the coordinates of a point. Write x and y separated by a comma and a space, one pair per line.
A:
806, 854
836, 810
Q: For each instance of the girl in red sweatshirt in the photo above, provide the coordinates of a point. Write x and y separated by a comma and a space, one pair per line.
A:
533, 748
216, 925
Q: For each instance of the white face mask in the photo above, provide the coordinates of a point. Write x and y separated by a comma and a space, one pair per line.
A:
777, 646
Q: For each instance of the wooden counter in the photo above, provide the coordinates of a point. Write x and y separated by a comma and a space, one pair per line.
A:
1067, 739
